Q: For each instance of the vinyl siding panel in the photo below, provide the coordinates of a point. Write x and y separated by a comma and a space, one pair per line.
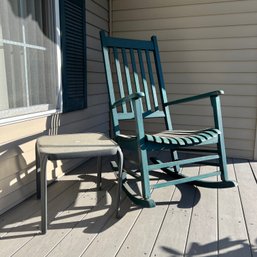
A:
204, 45
17, 157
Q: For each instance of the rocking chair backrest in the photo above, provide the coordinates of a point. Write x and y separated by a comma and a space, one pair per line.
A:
134, 66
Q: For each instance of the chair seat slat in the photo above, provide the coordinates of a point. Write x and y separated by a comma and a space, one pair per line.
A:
183, 137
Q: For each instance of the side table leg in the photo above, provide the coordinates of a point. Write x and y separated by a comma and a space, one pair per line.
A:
99, 172
43, 179
37, 154
120, 166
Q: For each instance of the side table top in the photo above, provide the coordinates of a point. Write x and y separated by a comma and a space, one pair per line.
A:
86, 144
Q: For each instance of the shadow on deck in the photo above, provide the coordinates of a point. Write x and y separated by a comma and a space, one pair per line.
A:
187, 221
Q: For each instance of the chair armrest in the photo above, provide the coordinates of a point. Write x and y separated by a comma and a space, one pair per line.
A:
128, 98
196, 97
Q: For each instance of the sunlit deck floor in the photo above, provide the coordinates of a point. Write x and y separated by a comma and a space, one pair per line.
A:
188, 221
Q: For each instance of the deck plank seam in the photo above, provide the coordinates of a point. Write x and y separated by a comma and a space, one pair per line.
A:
34, 210
95, 237
161, 225
190, 220
70, 230
135, 221
50, 220
243, 211
253, 171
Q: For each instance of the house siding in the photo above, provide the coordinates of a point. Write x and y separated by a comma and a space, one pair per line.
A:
17, 154
204, 45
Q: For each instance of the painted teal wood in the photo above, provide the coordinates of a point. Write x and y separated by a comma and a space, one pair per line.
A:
128, 98
119, 77
186, 180
144, 82
146, 115
142, 92
150, 72
128, 43
127, 73
201, 183
183, 162
185, 137
161, 83
197, 97
134, 69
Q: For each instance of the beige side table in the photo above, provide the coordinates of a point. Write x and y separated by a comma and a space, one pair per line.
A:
59, 147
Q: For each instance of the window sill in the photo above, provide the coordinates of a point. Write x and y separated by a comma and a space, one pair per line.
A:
25, 117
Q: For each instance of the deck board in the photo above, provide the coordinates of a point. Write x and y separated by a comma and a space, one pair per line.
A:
28, 229
66, 220
233, 238
248, 195
114, 232
188, 221
173, 234
146, 227
203, 234
86, 230
9, 221
254, 169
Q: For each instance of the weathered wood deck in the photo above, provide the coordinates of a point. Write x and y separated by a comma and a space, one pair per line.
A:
188, 221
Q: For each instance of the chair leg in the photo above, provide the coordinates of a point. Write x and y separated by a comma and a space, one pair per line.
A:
145, 180
223, 159
215, 101
99, 172
174, 157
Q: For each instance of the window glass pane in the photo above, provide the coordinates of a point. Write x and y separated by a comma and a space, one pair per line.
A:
14, 76
28, 63
10, 24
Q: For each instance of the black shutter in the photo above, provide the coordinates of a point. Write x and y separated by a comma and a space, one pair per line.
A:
73, 44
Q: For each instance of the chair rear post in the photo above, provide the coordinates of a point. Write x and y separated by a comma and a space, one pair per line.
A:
161, 84
108, 74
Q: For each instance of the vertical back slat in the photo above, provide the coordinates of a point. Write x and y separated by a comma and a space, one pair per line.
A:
119, 77
134, 68
150, 72
127, 73
135, 74
144, 81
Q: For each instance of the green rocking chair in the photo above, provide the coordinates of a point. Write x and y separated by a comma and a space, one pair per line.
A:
137, 92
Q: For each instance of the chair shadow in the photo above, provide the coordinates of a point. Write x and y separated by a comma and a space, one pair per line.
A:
186, 191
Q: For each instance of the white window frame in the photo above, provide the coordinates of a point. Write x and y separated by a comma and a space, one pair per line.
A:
38, 111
